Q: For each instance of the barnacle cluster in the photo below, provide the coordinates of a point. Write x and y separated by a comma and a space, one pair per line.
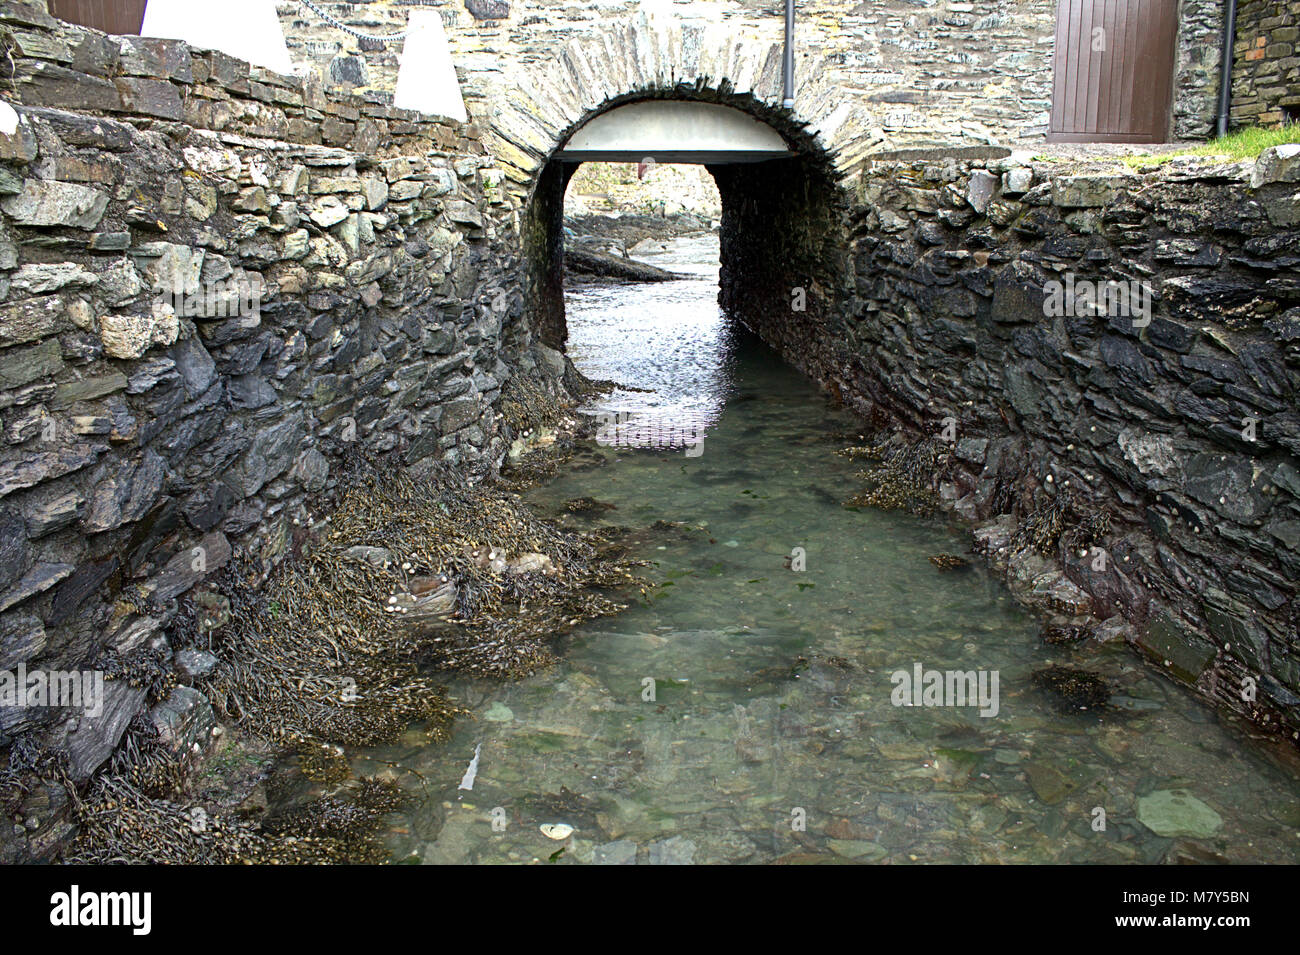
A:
905, 476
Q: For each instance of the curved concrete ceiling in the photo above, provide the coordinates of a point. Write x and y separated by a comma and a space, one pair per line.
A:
674, 131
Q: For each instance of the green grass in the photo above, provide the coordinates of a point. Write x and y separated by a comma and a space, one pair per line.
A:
1243, 144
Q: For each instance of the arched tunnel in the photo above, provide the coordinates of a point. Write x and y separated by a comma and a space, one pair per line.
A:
783, 242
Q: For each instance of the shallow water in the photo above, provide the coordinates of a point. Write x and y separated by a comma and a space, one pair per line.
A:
769, 731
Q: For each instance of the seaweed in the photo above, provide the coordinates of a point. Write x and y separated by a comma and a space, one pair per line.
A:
905, 476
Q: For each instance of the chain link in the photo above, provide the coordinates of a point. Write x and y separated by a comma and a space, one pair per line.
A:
387, 38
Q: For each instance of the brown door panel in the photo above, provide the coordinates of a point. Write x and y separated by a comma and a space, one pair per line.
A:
1112, 74
122, 17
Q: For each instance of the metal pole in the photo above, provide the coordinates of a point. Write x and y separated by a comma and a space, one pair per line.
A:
1225, 68
788, 66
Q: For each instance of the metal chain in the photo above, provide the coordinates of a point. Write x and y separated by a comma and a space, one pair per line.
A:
387, 38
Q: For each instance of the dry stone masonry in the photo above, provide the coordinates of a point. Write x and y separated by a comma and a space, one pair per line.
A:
1266, 64
1179, 423
215, 283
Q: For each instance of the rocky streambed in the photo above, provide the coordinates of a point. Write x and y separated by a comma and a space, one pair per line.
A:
748, 707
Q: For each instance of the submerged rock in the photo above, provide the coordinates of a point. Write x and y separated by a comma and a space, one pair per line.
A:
531, 564
1176, 812
619, 852
1080, 689
675, 851
1049, 783
427, 601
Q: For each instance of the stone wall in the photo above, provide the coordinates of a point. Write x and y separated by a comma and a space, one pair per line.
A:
1196, 73
1182, 428
1266, 63
349, 281
784, 252
938, 71
944, 70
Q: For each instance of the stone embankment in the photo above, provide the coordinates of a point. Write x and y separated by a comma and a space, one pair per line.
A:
1093, 344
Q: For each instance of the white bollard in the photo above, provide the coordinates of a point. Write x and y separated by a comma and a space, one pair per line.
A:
426, 78
247, 29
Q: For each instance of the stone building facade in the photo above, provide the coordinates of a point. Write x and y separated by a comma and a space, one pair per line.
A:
938, 71
1266, 63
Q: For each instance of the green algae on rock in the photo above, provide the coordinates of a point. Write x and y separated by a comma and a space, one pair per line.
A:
1176, 812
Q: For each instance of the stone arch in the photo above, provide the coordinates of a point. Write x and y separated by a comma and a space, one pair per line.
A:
782, 220
538, 105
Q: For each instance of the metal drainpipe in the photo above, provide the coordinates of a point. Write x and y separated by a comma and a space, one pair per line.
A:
1225, 68
788, 65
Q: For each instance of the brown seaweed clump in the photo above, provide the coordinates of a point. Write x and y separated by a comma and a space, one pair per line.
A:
1062, 517
327, 652
1063, 635
1077, 689
905, 476
949, 561
588, 505
527, 406
331, 652
121, 824
27, 767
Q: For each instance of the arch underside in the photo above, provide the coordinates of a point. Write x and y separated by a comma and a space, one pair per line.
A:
663, 130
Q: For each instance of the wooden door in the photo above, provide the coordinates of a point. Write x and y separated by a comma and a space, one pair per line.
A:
1113, 72
120, 17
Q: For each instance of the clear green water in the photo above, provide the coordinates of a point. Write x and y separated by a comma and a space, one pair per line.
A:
772, 692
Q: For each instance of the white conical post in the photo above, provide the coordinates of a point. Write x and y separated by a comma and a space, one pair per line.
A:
426, 78
247, 29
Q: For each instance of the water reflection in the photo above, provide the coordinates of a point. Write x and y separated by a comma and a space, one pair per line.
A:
668, 341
